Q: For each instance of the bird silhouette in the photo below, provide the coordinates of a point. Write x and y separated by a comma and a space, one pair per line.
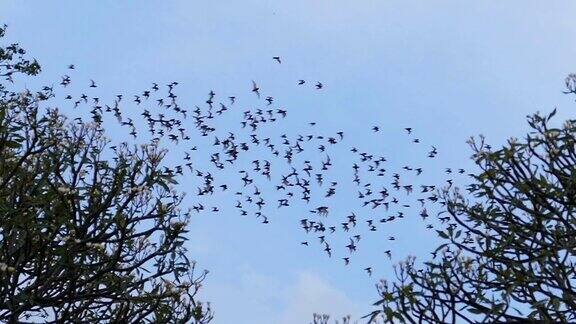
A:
278, 168
255, 89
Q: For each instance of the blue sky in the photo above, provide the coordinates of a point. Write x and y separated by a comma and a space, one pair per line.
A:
448, 69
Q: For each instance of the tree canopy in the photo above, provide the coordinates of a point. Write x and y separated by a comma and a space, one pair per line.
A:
89, 231
509, 253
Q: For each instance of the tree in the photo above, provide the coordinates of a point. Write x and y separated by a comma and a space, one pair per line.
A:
509, 250
325, 319
86, 233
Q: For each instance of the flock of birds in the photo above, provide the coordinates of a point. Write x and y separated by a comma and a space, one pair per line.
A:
296, 167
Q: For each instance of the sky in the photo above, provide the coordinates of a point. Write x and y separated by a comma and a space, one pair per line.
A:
448, 69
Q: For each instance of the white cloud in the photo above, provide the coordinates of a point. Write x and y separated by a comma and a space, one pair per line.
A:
312, 294
259, 298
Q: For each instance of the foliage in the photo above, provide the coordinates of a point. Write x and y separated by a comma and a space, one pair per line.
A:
509, 250
325, 319
13, 60
86, 234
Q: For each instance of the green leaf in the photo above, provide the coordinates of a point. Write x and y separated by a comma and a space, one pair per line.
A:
12, 144
475, 311
380, 302
442, 234
440, 247
163, 185
171, 180
551, 114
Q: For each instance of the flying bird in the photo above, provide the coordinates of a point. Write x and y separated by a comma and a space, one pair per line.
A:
255, 89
